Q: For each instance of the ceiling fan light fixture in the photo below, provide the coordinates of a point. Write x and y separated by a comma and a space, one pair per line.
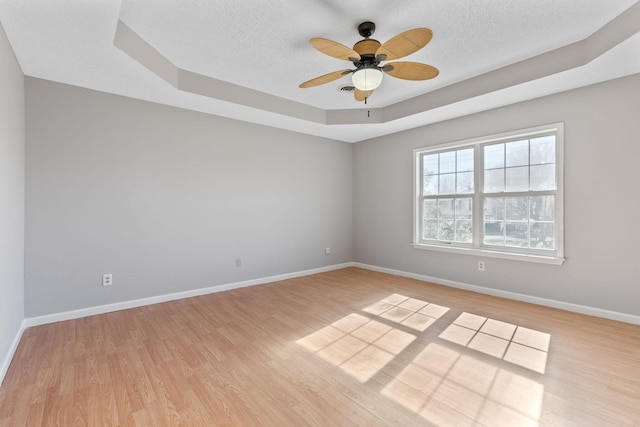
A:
366, 79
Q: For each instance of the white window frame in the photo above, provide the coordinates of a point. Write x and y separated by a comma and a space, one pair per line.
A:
476, 247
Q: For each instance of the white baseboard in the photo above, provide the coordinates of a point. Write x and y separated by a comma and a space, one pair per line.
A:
4, 367
108, 308
576, 308
90, 311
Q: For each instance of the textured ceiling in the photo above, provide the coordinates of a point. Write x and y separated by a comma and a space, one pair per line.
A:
263, 46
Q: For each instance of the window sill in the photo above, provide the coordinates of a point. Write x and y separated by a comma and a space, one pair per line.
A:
542, 259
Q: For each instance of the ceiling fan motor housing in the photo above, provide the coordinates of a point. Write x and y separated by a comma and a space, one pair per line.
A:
367, 48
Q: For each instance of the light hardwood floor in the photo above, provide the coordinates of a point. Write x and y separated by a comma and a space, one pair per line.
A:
345, 348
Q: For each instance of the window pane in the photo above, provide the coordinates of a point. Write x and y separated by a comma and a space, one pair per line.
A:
543, 208
494, 181
448, 162
445, 209
465, 160
517, 153
463, 231
543, 236
517, 208
448, 183
543, 150
446, 232
494, 211
516, 234
494, 233
518, 179
494, 156
543, 177
464, 208
494, 208
430, 164
430, 229
464, 182
448, 220
430, 209
430, 185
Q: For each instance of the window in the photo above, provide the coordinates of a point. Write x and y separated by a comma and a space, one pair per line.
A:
496, 196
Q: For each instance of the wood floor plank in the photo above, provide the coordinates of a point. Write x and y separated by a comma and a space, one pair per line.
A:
349, 347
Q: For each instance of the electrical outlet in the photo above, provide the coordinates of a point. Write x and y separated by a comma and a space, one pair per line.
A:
107, 279
238, 262
327, 251
481, 265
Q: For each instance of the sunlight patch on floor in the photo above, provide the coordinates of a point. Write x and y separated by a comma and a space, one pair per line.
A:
515, 344
362, 346
358, 345
441, 384
450, 388
411, 312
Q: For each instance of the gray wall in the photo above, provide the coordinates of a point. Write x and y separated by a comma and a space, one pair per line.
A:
12, 149
602, 222
166, 199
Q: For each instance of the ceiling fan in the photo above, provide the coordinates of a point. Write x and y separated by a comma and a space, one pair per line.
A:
367, 54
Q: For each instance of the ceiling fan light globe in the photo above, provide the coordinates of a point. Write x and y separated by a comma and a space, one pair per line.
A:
367, 79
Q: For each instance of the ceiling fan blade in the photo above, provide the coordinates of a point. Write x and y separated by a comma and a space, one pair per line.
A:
361, 95
335, 49
412, 71
405, 43
325, 79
